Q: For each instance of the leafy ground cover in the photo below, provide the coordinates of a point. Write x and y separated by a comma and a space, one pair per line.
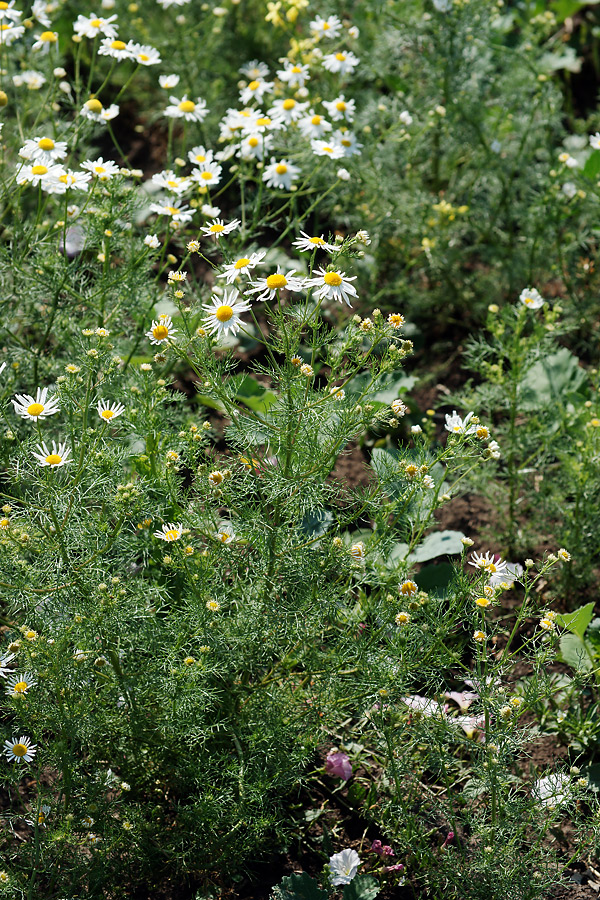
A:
299, 450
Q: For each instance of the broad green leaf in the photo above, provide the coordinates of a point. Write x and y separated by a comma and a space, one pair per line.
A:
551, 380
439, 543
578, 621
298, 887
316, 522
435, 578
574, 652
397, 554
363, 887
592, 166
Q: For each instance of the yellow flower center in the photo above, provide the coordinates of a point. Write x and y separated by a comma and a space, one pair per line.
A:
411, 470
276, 281
281, 169
96, 23
94, 105
160, 332
253, 142
64, 178
316, 120
118, 45
332, 279
54, 459
224, 313
200, 158
326, 26
223, 536
216, 228
172, 210
340, 56
254, 85
35, 409
264, 120
328, 150
107, 414
340, 105
207, 176
345, 142
3, 5
143, 57
48, 36
296, 69
19, 750
241, 263
171, 535
20, 687
491, 567
316, 240
289, 103
6, 27
4, 523
46, 144
39, 170
187, 106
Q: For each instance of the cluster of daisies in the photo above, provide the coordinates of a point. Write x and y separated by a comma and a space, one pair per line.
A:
471, 426
19, 749
40, 407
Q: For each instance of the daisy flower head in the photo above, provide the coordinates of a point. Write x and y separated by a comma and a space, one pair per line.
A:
174, 184
45, 41
348, 141
261, 124
254, 69
256, 90
280, 174
94, 110
287, 110
342, 62
241, 266
199, 155
190, 110
177, 211
104, 171
91, 26
491, 564
329, 27
168, 82
30, 78
333, 286
208, 174
8, 12
455, 424
43, 149
55, 458
531, 298
254, 146
595, 140
340, 108
162, 330
9, 33
224, 313
267, 288
143, 54
169, 533
217, 228
36, 408
225, 533
115, 48
308, 243
20, 750
326, 148
293, 74
314, 125
109, 411
46, 175
18, 684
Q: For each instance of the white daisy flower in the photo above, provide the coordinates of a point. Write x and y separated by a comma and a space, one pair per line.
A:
489, 563
241, 266
96, 112
152, 241
333, 286
329, 27
9, 13
55, 458
91, 26
287, 110
324, 148
9, 33
225, 533
20, 750
217, 228
314, 125
255, 146
175, 184
174, 209
4, 661
340, 108
256, 90
40, 174
45, 41
115, 48
168, 82
342, 62
569, 161
531, 298
35, 408
266, 288
344, 866
144, 55
19, 684
78, 181
103, 170
43, 149
208, 174
595, 140
260, 124
280, 174
224, 313
162, 330
455, 424
109, 411
170, 532
308, 243
254, 69
293, 74
190, 110
199, 156
348, 142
